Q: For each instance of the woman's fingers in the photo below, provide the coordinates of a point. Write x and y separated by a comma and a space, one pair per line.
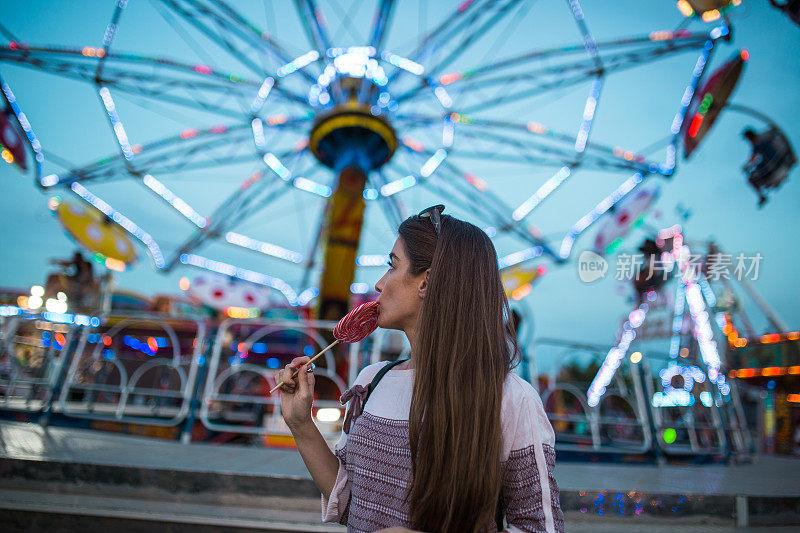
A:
287, 375
305, 381
289, 382
297, 362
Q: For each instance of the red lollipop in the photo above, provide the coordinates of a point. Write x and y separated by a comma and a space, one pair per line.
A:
355, 326
358, 323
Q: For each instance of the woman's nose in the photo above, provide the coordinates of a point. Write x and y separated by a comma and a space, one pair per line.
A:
379, 284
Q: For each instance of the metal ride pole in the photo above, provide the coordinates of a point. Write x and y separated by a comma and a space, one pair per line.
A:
196, 403
640, 375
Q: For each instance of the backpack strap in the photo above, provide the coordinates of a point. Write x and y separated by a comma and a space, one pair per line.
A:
379, 376
357, 395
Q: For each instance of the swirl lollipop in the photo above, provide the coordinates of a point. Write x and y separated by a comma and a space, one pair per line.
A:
355, 326
358, 323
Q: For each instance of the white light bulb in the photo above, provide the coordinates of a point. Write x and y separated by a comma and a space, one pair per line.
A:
328, 414
34, 302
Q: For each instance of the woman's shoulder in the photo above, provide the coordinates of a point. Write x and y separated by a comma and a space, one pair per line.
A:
517, 391
368, 372
523, 414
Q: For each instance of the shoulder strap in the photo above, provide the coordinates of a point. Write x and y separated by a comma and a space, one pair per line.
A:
379, 376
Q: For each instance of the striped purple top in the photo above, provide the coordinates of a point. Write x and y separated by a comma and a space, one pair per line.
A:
375, 460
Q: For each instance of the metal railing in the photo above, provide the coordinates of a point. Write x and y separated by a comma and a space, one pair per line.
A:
115, 376
33, 352
626, 420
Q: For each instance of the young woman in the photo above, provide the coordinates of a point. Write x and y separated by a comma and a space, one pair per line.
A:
451, 436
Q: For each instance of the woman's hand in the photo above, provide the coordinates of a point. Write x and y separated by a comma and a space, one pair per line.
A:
297, 394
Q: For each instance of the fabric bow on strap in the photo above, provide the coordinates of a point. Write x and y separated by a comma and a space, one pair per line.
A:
356, 395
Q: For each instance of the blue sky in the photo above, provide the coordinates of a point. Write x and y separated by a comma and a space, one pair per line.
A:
635, 110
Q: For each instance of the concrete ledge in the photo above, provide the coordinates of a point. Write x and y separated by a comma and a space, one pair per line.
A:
168, 484
192, 493
70, 512
636, 503
773, 511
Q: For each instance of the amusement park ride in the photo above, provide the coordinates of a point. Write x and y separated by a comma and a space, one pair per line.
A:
341, 127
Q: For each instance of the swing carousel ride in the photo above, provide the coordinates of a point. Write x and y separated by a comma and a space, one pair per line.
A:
326, 134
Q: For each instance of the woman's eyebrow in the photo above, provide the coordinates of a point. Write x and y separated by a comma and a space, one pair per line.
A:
393, 256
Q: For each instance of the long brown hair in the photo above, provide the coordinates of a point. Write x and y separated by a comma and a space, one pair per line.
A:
464, 349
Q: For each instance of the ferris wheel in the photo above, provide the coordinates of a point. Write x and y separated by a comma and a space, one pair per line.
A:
302, 143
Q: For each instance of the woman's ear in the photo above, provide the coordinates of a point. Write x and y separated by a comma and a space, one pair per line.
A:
423, 285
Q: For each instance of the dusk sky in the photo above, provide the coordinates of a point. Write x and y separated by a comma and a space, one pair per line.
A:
635, 111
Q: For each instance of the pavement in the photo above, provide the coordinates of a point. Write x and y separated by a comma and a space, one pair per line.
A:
236, 487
